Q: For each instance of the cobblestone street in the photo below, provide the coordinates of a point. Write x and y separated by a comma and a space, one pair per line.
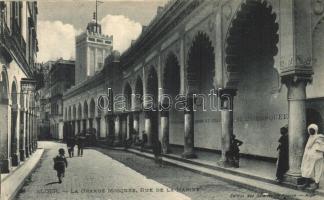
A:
99, 176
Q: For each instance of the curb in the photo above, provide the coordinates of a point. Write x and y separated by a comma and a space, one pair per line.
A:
21, 184
271, 193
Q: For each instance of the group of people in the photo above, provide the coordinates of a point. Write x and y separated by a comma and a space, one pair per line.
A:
78, 140
60, 161
313, 158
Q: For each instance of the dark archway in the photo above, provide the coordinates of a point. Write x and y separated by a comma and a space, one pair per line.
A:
200, 77
92, 112
253, 34
314, 117
139, 94
85, 115
79, 117
138, 107
127, 119
171, 87
4, 132
201, 65
153, 90
251, 45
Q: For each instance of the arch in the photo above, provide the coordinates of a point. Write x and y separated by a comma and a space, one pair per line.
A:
152, 86
253, 33
66, 114
74, 112
4, 87
70, 113
79, 111
171, 75
92, 108
14, 94
314, 117
152, 114
201, 64
250, 47
128, 96
139, 93
85, 109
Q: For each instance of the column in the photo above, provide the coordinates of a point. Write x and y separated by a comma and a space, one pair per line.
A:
15, 135
165, 131
189, 131
4, 142
117, 140
136, 123
23, 131
148, 127
102, 127
296, 127
226, 98
88, 123
75, 127
30, 133
27, 151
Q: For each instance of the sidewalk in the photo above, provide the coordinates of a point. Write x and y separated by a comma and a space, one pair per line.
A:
12, 182
253, 174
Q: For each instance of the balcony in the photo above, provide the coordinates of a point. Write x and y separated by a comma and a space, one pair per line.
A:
18, 38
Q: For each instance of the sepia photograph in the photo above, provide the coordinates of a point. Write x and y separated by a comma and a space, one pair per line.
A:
162, 100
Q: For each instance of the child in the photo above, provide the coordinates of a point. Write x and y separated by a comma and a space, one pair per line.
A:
282, 161
60, 163
235, 143
157, 150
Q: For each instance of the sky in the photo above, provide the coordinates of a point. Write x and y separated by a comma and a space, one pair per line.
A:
60, 21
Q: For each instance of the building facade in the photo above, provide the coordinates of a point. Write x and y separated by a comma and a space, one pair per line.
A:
260, 58
92, 47
60, 77
18, 48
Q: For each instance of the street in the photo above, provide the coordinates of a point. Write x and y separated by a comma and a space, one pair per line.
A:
99, 176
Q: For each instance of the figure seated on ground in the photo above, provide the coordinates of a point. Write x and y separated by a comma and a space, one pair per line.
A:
110, 140
128, 143
144, 141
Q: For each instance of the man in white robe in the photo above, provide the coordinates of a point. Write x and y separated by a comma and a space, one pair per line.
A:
313, 160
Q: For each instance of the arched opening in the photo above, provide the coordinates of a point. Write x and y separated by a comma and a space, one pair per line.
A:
127, 119
92, 113
138, 116
85, 115
4, 132
79, 118
14, 135
171, 86
200, 76
260, 107
152, 113
314, 117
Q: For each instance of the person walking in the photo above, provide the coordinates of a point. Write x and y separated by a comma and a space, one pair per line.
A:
313, 161
235, 143
70, 146
282, 161
60, 163
157, 151
144, 141
80, 144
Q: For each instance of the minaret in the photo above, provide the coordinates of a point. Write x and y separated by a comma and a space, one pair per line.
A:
92, 47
